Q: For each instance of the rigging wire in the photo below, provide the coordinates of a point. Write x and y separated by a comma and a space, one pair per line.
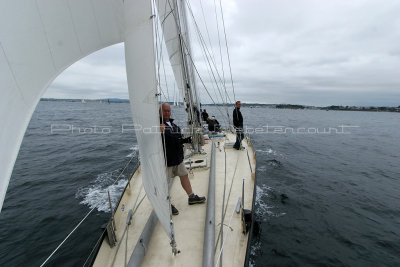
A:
202, 82
225, 118
194, 65
161, 40
189, 55
160, 62
126, 230
77, 226
65, 239
158, 54
203, 44
172, 234
185, 68
136, 206
208, 34
186, 51
227, 51
219, 43
208, 70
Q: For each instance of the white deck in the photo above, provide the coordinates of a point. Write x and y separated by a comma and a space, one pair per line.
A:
189, 224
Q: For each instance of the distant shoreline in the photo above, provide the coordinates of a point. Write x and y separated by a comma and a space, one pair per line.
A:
104, 100
248, 105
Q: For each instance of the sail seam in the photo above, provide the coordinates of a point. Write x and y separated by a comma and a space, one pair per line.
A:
45, 34
74, 27
97, 22
13, 74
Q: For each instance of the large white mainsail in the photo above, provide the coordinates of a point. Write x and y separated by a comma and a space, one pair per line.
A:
143, 94
38, 40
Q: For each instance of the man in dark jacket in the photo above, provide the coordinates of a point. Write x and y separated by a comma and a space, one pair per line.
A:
204, 115
173, 142
238, 124
213, 125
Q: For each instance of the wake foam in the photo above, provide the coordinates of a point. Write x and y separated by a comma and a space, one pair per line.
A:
261, 206
134, 149
96, 194
263, 210
268, 151
271, 152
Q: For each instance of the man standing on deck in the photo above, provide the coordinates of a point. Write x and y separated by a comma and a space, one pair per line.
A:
173, 142
204, 115
238, 124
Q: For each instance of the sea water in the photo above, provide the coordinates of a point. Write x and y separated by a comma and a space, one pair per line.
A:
328, 184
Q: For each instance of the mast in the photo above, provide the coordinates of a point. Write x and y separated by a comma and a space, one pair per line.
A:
190, 92
175, 30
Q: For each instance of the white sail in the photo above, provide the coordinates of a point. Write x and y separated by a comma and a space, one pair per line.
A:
168, 16
172, 15
38, 40
142, 84
188, 50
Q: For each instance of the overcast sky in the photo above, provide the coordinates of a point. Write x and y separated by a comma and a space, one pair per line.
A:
314, 52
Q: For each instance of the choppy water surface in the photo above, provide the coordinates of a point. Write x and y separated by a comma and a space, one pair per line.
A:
328, 184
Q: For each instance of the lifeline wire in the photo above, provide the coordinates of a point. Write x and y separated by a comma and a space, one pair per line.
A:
76, 227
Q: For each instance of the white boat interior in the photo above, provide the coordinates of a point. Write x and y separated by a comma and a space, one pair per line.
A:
233, 169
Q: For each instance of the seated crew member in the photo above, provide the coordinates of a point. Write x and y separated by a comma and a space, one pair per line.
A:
174, 141
213, 125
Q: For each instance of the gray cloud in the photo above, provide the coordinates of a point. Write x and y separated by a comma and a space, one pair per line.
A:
282, 51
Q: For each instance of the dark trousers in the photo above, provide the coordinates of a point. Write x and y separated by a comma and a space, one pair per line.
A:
239, 138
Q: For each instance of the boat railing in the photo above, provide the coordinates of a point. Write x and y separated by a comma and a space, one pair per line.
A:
130, 167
